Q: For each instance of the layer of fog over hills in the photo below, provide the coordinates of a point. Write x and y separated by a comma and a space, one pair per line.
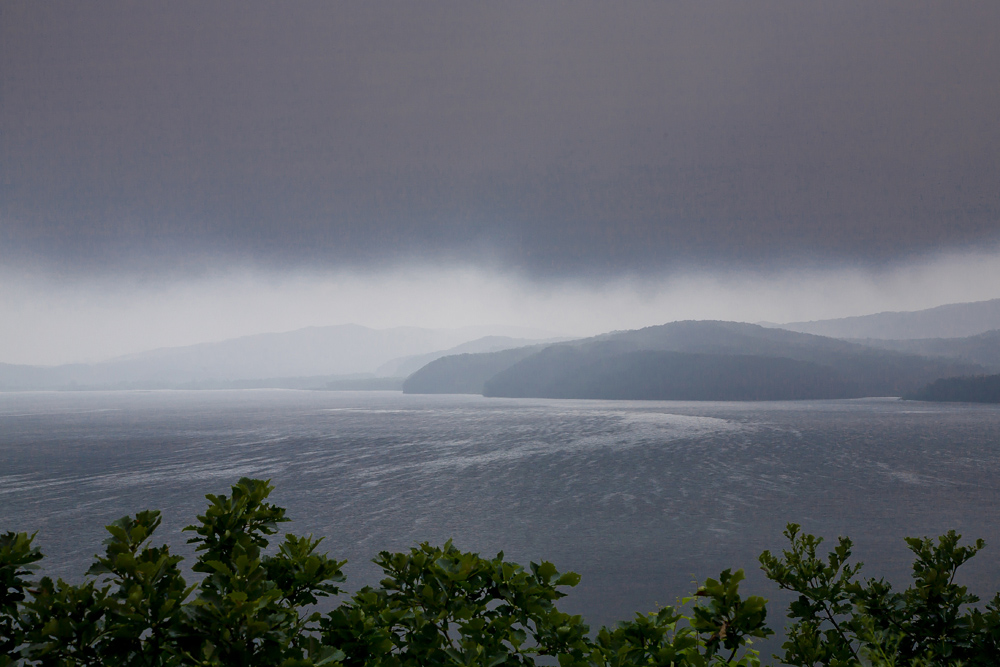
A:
694, 360
954, 320
306, 358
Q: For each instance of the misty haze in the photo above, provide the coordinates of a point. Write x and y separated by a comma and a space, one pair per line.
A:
624, 287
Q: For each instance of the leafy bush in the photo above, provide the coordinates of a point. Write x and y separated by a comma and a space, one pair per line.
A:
839, 620
443, 606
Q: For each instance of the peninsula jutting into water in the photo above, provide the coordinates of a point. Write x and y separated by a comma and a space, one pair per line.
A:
689, 360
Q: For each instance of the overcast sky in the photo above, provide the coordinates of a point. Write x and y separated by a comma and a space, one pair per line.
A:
578, 164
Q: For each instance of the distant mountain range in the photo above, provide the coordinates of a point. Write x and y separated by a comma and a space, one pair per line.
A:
954, 320
312, 357
887, 354
694, 360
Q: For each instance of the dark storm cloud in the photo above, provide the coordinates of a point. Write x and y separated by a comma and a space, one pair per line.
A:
556, 138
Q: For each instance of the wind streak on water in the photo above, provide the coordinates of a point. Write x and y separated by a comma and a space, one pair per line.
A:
642, 498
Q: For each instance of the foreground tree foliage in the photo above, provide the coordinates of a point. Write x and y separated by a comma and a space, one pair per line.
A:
443, 606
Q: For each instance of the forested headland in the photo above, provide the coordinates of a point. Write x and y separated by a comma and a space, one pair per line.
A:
691, 360
972, 389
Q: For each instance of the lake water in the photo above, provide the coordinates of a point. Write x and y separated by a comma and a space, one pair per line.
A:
641, 498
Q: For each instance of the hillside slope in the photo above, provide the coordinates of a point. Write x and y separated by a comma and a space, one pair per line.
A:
651, 375
982, 349
695, 360
463, 373
974, 389
955, 320
406, 366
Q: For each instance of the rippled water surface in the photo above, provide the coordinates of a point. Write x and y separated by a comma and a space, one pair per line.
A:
641, 498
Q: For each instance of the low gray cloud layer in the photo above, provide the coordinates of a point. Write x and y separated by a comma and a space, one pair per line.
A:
556, 139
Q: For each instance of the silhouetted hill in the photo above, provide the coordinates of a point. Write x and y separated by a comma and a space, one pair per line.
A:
406, 366
976, 389
561, 372
955, 320
983, 349
463, 373
783, 363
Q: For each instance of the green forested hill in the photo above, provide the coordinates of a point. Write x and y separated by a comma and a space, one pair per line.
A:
982, 349
954, 320
462, 373
693, 360
559, 373
974, 389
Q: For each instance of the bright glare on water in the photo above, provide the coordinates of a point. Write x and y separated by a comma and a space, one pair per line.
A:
641, 498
